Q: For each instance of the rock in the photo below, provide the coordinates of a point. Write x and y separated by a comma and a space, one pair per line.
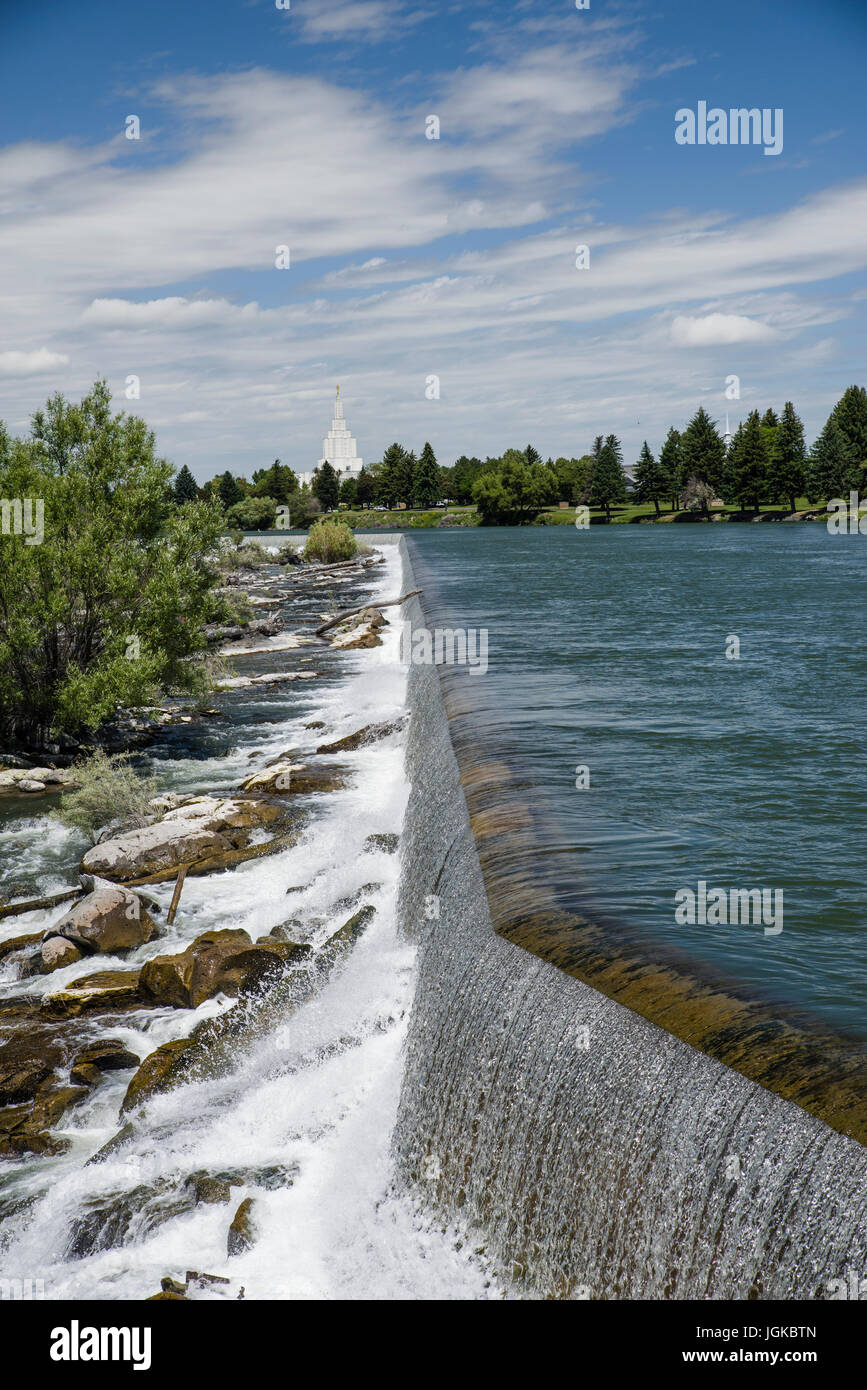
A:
57, 952
276, 778
99, 1057
204, 1281
105, 991
300, 779
18, 1135
30, 784
221, 962
153, 1071
52, 1102
108, 1222
209, 1191
227, 814
166, 1297
356, 639
242, 1232
19, 943
372, 733
116, 1142
173, 1286
84, 1074
27, 1061
387, 843
164, 846
106, 921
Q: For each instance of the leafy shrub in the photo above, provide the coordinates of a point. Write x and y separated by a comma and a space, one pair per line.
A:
109, 791
330, 541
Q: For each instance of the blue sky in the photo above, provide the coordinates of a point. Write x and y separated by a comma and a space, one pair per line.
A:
413, 258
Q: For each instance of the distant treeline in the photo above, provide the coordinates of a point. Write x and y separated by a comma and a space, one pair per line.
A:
766, 462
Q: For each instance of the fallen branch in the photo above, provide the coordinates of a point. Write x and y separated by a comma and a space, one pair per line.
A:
351, 612
15, 909
176, 896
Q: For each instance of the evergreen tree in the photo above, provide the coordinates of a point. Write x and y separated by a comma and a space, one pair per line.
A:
391, 475
749, 463
348, 493
326, 486
228, 490
670, 462
405, 477
830, 461
186, 489
703, 451
532, 455
609, 480
850, 413
650, 478
278, 482
786, 466
364, 492
427, 483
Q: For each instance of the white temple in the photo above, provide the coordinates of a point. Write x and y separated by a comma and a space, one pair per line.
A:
338, 447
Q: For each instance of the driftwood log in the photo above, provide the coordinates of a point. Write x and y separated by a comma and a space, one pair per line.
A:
351, 612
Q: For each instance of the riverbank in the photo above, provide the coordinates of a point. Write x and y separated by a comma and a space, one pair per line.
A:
238, 1068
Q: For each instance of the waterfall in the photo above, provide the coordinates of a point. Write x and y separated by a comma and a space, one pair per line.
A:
600, 1154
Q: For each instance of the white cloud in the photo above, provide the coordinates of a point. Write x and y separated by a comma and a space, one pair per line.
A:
31, 363
125, 267
713, 330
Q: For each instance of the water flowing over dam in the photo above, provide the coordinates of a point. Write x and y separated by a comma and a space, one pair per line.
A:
602, 1155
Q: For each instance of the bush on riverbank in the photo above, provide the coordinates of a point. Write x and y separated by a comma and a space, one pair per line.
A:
108, 790
330, 541
105, 584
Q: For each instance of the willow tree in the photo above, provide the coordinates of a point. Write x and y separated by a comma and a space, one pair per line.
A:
104, 603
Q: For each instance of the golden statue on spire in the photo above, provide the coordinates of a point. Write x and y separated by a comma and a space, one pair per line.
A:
338, 388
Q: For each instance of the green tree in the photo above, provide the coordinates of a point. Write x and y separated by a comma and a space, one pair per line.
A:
671, 463
186, 488
609, 480
651, 479
830, 462
464, 474
427, 483
304, 508
749, 463
515, 492
278, 482
110, 607
787, 462
348, 493
850, 413
702, 451
229, 490
326, 486
254, 514
365, 489
390, 478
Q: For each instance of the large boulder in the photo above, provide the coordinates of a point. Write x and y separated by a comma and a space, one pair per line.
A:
371, 733
107, 991
242, 1232
156, 1069
299, 779
96, 1058
165, 846
57, 952
218, 962
108, 920
27, 1060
